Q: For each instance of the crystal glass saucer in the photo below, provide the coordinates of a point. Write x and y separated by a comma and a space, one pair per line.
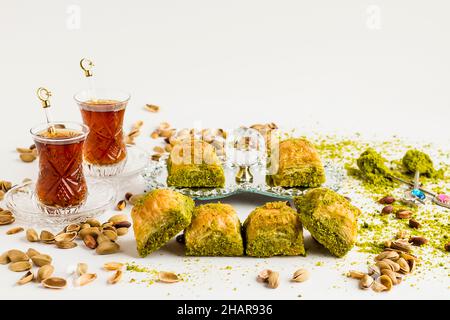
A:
155, 176
21, 200
136, 161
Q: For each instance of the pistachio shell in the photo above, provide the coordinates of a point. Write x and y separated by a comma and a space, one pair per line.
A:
393, 265
27, 157
112, 266
116, 277
82, 268
32, 235
378, 287
14, 231
46, 236
391, 274
73, 228
300, 275
54, 283
404, 265
93, 223
27, 277
90, 241
386, 281
366, 282
92, 231
168, 277
121, 205
20, 266
107, 247
66, 244
392, 255
85, 279
122, 231
118, 218
45, 272
111, 235
4, 258
355, 274
6, 219
263, 276
32, 252
102, 238
66, 236
274, 280
41, 260
17, 255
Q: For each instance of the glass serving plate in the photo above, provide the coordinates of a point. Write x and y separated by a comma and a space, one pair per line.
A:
22, 202
136, 161
155, 176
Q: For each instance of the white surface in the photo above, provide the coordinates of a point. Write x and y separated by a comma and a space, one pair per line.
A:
322, 64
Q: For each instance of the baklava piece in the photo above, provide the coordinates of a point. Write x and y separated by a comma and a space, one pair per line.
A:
215, 230
274, 229
330, 218
159, 216
298, 165
194, 164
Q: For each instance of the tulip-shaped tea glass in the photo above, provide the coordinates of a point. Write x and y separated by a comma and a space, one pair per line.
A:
105, 152
61, 185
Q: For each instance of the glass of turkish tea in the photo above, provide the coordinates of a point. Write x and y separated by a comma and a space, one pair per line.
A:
102, 110
61, 185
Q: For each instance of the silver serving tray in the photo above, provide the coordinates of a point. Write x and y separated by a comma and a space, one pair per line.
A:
155, 176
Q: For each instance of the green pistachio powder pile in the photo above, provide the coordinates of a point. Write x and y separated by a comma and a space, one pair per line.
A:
368, 165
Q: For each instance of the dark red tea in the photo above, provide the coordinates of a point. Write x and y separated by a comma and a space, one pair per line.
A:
105, 143
61, 182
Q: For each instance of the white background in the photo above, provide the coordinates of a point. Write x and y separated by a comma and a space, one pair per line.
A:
345, 66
